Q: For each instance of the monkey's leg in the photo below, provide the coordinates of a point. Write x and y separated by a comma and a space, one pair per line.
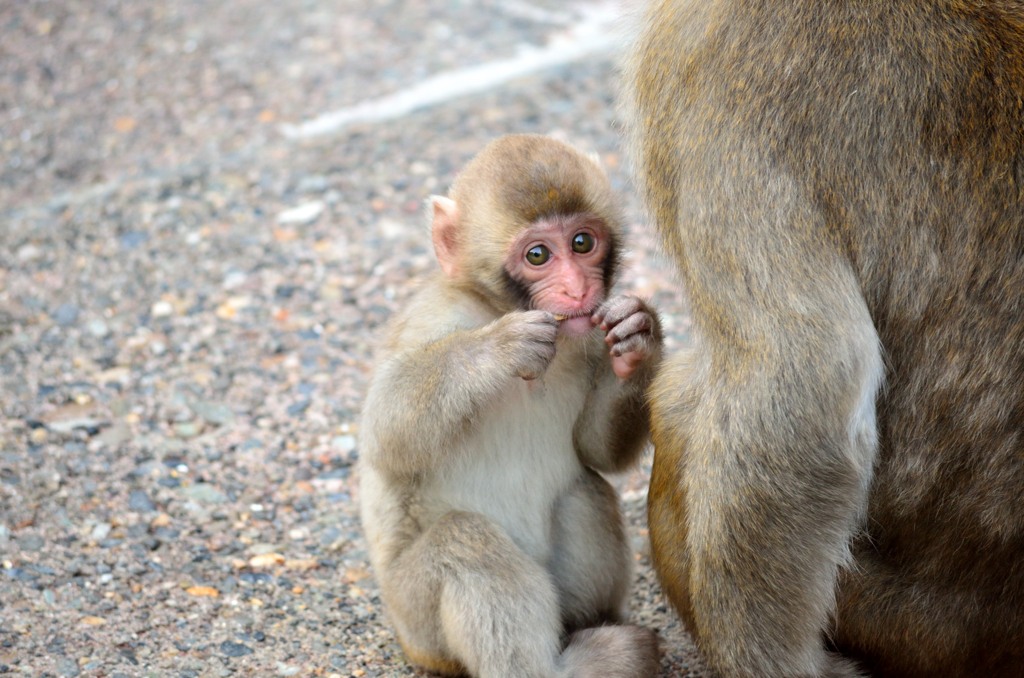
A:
591, 568
590, 562
749, 530
765, 436
464, 595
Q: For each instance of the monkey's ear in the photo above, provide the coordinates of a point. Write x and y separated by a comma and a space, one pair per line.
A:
445, 232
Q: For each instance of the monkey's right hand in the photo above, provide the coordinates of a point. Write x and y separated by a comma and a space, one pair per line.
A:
525, 341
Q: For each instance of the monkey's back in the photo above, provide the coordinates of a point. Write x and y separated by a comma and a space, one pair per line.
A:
901, 127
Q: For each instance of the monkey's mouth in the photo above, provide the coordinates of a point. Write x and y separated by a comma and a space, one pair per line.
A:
569, 316
574, 324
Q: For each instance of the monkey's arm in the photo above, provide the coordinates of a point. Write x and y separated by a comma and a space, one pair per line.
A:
427, 393
613, 427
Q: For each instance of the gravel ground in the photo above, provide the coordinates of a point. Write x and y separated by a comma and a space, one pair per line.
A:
189, 298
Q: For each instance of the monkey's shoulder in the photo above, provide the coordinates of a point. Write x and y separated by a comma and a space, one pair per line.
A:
433, 312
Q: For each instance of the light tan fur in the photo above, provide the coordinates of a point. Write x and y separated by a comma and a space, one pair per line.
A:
492, 533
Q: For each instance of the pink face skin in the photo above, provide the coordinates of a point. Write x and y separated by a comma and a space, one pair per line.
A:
560, 260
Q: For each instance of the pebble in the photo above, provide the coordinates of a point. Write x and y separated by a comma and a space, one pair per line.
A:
204, 492
69, 425
161, 309
217, 414
187, 429
295, 409
139, 501
344, 443
302, 215
313, 183
234, 279
331, 535
66, 666
31, 542
29, 252
98, 328
66, 314
232, 649
115, 436
100, 531
132, 239
264, 549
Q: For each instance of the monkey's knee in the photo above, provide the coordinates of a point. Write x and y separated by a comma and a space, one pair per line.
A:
591, 560
469, 597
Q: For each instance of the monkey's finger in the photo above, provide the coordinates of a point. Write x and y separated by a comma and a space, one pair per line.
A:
543, 348
638, 343
536, 361
613, 311
541, 333
540, 351
539, 317
635, 324
534, 326
626, 364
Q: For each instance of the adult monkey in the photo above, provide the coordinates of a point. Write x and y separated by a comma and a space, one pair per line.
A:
839, 463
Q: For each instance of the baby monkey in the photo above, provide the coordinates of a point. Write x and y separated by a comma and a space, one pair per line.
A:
503, 389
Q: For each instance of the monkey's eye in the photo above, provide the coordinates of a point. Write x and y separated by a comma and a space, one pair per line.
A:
538, 254
582, 243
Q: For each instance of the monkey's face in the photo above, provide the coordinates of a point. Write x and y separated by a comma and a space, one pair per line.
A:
561, 264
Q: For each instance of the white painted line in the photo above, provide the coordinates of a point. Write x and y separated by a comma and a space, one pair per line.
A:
597, 32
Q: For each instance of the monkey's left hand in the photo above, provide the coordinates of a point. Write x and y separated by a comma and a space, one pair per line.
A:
632, 332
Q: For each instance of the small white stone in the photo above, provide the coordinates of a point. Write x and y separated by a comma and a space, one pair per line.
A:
392, 229
234, 279
162, 309
305, 213
98, 328
29, 252
344, 443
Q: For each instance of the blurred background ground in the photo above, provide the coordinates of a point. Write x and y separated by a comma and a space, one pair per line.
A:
203, 226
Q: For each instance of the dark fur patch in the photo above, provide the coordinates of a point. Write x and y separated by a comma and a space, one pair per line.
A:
516, 290
611, 262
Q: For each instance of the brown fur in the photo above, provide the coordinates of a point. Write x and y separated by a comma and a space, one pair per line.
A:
841, 185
